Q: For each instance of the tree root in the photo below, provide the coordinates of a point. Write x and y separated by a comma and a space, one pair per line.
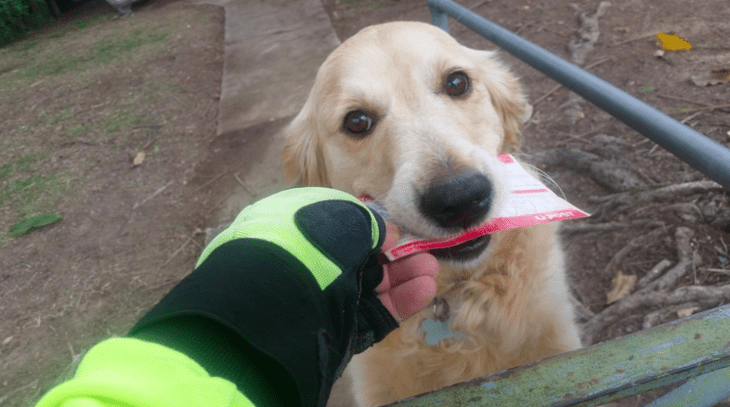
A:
585, 227
635, 243
613, 172
579, 49
654, 293
617, 203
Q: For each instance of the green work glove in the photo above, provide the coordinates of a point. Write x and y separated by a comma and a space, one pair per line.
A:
295, 278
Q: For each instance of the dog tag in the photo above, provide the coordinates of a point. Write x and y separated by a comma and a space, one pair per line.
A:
437, 331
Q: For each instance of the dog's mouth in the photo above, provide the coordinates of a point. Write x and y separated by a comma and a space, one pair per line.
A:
461, 252
466, 251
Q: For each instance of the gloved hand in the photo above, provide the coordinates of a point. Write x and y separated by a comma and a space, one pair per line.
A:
297, 277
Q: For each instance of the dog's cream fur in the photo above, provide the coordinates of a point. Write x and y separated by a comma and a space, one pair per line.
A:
512, 301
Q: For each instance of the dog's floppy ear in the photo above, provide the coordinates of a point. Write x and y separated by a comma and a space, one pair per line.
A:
302, 157
507, 98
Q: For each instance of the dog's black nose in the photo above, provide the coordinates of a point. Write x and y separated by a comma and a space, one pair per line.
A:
459, 200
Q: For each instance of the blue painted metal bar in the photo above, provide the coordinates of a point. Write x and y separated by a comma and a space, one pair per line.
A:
702, 153
439, 18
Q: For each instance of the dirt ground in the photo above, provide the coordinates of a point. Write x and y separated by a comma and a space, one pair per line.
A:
146, 83
131, 232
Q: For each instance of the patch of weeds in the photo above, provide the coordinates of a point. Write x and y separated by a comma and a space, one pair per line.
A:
5, 171
20, 165
119, 121
87, 22
73, 57
59, 63
647, 89
108, 50
61, 116
378, 4
77, 131
25, 46
26, 190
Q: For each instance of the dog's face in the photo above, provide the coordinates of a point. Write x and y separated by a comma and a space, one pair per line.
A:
404, 113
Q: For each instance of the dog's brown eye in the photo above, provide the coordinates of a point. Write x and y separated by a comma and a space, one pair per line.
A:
456, 84
357, 122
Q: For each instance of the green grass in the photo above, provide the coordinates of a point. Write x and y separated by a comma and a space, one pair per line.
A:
44, 82
62, 116
78, 130
20, 164
647, 89
372, 5
109, 49
120, 121
378, 4
25, 190
50, 60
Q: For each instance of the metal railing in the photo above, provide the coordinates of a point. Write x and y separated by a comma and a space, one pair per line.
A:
692, 147
695, 348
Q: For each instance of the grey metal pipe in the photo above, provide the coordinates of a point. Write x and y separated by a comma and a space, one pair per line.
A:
702, 153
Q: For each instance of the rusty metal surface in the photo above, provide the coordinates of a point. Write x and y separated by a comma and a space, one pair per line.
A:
608, 371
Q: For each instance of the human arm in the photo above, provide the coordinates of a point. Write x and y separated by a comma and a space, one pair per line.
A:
280, 301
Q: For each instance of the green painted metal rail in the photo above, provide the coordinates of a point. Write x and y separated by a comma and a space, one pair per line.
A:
664, 355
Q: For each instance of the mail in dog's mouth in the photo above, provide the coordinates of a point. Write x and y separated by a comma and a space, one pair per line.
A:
469, 247
466, 251
529, 202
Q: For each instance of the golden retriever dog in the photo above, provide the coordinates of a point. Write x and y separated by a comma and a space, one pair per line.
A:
404, 113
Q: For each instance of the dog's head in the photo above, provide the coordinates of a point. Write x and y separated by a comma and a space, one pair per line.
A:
404, 113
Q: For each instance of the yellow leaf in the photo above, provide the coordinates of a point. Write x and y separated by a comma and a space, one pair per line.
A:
138, 159
622, 287
672, 43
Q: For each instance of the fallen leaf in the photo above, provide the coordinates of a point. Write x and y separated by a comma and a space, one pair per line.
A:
672, 43
723, 74
712, 78
7, 340
685, 312
35, 222
138, 159
622, 286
